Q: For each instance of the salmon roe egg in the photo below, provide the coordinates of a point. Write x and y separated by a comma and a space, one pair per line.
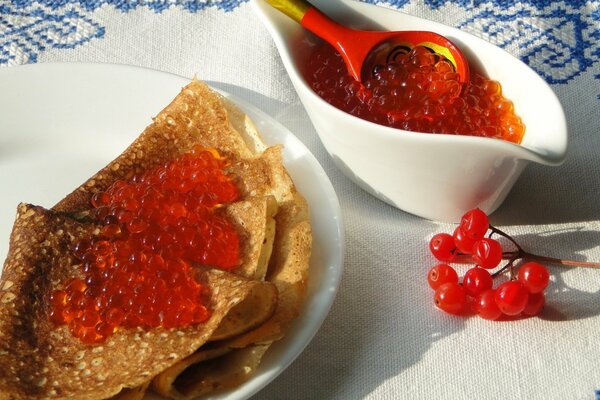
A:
138, 271
417, 90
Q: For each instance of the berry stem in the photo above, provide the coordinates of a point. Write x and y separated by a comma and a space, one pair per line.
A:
506, 235
509, 265
559, 261
522, 254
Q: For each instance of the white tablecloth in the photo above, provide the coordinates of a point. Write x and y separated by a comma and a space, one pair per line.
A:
383, 337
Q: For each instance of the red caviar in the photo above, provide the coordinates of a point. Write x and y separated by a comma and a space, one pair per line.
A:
139, 270
417, 91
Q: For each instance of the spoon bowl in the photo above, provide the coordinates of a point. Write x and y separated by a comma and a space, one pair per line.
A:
434, 176
363, 50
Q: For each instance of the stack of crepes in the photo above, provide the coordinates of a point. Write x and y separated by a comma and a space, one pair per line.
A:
252, 305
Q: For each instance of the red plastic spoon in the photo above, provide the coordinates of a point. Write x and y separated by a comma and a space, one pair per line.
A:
363, 50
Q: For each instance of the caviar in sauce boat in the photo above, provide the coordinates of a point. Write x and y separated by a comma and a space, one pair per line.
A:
417, 90
412, 80
409, 170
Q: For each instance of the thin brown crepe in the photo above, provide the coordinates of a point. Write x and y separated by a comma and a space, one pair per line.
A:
273, 223
41, 360
288, 270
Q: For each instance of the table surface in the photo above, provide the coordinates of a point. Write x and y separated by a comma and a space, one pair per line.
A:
383, 337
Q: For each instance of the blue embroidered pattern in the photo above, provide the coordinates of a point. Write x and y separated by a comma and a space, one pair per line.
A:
128, 5
24, 33
473, 4
558, 39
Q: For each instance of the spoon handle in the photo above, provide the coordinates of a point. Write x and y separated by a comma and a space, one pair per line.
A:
311, 18
295, 9
340, 37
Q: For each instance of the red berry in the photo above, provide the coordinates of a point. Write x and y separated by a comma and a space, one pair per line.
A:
534, 276
476, 281
535, 303
451, 298
440, 274
487, 253
486, 306
442, 247
463, 242
475, 223
511, 297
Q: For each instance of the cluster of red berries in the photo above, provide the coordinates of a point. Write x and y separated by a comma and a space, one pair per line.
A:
523, 294
139, 270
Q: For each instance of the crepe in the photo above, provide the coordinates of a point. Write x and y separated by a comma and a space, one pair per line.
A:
252, 306
208, 371
196, 116
45, 361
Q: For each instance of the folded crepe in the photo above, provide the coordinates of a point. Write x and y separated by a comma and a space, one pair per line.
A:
252, 305
41, 360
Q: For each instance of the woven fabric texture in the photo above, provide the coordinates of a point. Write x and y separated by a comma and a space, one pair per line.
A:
383, 338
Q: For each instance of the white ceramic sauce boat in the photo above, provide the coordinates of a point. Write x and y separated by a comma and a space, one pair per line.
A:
434, 176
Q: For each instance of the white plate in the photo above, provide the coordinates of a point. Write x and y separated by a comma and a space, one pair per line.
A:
60, 123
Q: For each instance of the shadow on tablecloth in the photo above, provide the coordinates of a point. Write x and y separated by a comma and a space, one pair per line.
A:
568, 296
568, 193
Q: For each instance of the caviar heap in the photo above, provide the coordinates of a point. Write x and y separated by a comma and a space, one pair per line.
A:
138, 270
521, 295
417, 91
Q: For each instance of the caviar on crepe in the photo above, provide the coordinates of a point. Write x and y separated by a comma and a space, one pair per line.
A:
138, 271
417, 91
